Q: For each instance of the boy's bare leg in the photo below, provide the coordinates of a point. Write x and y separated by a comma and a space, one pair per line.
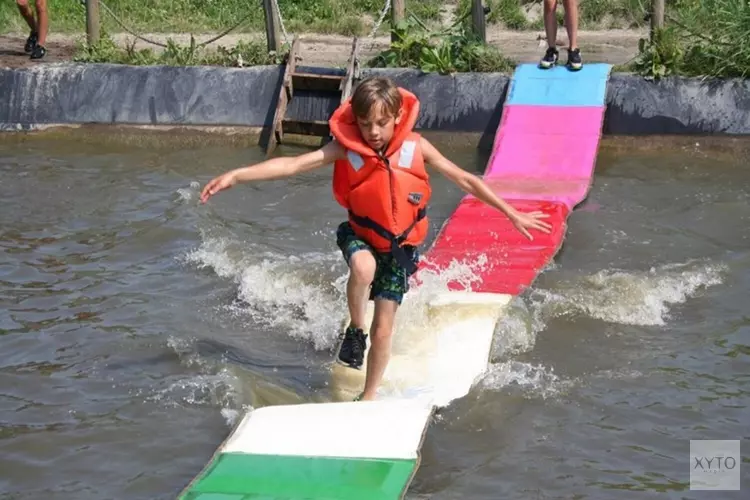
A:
361, 273
27, 14
381, 334
571, 22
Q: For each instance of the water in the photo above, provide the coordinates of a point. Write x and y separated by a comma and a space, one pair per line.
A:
136, 325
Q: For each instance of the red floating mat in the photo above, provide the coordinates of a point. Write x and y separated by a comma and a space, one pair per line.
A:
504, 260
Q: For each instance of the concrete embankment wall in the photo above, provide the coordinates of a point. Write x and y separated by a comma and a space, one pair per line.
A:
64, 94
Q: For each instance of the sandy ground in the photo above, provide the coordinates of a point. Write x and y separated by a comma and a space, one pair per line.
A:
612, 46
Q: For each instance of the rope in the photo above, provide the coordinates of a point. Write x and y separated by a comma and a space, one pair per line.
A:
416, 19
122, 25
227, 31
383, 13
281, 21
154, 42
375, 28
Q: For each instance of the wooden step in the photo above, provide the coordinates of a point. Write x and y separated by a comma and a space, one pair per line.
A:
305, 127
317, 82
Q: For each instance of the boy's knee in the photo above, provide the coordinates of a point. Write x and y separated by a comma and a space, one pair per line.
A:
382, 331
362, 265
384, 319
550, 4
22, 3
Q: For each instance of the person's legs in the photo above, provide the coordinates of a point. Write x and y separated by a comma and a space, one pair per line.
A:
381, 333
361, 273
40, 49
360, 258
550, 28
28, 16
390, 285
25, 10
571, 23
35, 43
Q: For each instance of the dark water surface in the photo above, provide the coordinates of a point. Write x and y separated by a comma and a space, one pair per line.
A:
136, 325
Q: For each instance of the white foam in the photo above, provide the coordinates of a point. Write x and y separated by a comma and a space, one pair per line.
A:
189, 193
535, 380
630, 297
289, 292
517, 330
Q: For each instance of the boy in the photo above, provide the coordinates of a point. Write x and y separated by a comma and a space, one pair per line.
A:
550, 27
379, 176
36, 40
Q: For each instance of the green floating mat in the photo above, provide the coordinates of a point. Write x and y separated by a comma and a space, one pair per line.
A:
311, 451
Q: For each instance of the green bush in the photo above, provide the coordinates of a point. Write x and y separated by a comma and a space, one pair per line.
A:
451, 51
700, 38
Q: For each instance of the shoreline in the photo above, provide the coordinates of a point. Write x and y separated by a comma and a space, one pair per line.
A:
68, 94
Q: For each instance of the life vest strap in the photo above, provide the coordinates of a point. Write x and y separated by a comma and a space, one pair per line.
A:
397, 250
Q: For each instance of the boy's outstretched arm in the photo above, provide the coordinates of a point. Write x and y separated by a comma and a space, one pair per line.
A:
275, 168
474, 185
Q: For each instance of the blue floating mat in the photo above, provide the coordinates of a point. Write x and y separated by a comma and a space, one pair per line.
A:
558, 86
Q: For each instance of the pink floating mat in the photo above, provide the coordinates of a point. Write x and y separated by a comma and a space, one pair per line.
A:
545, 153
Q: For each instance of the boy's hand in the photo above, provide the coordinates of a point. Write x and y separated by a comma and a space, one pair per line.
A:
220, 183
525, 221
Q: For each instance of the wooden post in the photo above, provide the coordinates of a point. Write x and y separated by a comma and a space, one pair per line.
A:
398, 13
272, 26
657, 16
477, 20
92, 22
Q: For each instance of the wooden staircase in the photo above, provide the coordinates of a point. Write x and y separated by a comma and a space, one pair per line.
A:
295, 80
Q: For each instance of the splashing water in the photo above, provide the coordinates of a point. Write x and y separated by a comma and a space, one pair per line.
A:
532, 380
294, 293
305, 295
632, 298
213, 385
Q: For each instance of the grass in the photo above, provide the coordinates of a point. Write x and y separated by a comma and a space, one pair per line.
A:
702, 37
593, 14
449, 51
346, 17
252, 53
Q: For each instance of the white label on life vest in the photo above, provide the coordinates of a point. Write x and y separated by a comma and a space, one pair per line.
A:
355, 160
407, 154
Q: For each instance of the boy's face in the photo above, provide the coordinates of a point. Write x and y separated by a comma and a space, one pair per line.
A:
377, 128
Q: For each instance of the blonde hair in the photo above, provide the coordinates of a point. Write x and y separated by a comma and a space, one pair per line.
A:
373, 90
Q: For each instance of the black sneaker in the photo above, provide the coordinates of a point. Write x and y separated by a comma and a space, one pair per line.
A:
353, 345
549, 59
31, 42
574, 59
38, 52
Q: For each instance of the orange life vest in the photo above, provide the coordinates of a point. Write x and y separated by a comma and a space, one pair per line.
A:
386, 195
